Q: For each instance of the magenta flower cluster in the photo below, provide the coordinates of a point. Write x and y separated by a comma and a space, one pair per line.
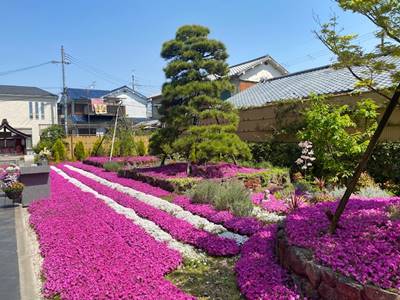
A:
92, 252
259, 276
113, 177
178, 170
366, 246
132, 160
178, 228
271, 204
241, 225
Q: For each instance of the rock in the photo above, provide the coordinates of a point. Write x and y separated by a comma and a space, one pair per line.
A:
374, 293
348, 290
328, 276
296, 260
313, 273
327, 292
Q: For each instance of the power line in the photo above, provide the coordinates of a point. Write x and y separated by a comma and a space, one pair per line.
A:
26, 68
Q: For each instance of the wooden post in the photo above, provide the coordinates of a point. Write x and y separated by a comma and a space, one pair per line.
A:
364, 160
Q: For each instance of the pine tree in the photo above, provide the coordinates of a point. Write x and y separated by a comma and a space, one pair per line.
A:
79, 151
197, 123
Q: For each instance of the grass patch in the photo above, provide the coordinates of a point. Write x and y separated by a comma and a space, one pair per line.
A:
212, 278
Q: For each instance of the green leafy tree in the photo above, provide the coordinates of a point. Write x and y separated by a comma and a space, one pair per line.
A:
58, 150
49, 136
385, 15
98, 149
79, 151
124, 144
141, 148
197, 123
339, 134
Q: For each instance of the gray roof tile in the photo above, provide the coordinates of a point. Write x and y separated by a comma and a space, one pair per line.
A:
322, 80
23, 91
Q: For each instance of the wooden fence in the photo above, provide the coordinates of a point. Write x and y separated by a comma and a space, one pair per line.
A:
89, 140
260, 123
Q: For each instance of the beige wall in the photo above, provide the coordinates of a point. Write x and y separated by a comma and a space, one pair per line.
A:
259, 123
16, 111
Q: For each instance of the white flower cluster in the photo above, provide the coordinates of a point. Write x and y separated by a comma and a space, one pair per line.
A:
45, 153
171, 208
307, 155
151, 228
266, 216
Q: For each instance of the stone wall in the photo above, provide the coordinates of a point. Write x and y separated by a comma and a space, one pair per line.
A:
319, 282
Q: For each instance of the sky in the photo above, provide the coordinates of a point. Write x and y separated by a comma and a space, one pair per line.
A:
107, 41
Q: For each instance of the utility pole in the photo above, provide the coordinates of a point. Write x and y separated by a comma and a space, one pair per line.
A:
133, 81
64, 92
115, 130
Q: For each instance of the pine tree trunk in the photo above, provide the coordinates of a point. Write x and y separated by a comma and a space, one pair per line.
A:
364, 160
163, 158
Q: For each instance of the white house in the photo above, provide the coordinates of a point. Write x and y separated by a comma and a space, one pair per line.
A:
136, 105
242, 76
91, 111
28, 110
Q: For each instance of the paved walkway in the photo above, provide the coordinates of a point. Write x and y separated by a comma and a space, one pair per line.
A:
9, 274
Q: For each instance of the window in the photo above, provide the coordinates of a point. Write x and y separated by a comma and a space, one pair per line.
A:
36, 110
42, 110
30, 110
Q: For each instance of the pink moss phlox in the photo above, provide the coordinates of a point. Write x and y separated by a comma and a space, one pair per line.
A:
271, 204
178, 228
209, 171
259, 275
241, 225
113, 177
92, 252
365, 247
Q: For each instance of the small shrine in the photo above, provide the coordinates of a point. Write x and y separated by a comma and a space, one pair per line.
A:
13, 141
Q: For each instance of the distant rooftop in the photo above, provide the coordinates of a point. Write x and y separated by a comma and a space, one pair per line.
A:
23, 91
243, 67
321, 81
76, 94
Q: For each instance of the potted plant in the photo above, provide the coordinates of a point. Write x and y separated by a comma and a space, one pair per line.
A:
10, 185
14, 190
44, 156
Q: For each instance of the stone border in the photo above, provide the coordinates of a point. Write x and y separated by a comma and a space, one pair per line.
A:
320, 282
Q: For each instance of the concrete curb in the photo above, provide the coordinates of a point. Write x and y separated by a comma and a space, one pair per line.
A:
29, 281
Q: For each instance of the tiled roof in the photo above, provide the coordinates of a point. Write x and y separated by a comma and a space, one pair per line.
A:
247, 65
322, 80
76, 94
23, 91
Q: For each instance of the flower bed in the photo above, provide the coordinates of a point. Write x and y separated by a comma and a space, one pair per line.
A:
241, 225
173, 177
366, 246
91, 252
135, 161
271, 205
178, 228
259, 276
112, 176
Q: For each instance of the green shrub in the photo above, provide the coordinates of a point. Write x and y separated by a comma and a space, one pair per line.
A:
59, 152
339, 135
373, 192
205, 191
277, 153
384, 165
141, 148
79, 151
274, 175
48, 137
98, 149
113, 166
183, 184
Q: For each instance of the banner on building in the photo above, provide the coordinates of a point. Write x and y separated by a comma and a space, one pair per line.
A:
98, 106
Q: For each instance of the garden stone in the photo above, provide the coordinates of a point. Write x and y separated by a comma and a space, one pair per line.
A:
313, 273
374, 293
348, 290
328, 276
327, 292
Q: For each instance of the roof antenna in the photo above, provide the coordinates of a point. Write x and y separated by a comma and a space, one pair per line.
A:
133, 80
